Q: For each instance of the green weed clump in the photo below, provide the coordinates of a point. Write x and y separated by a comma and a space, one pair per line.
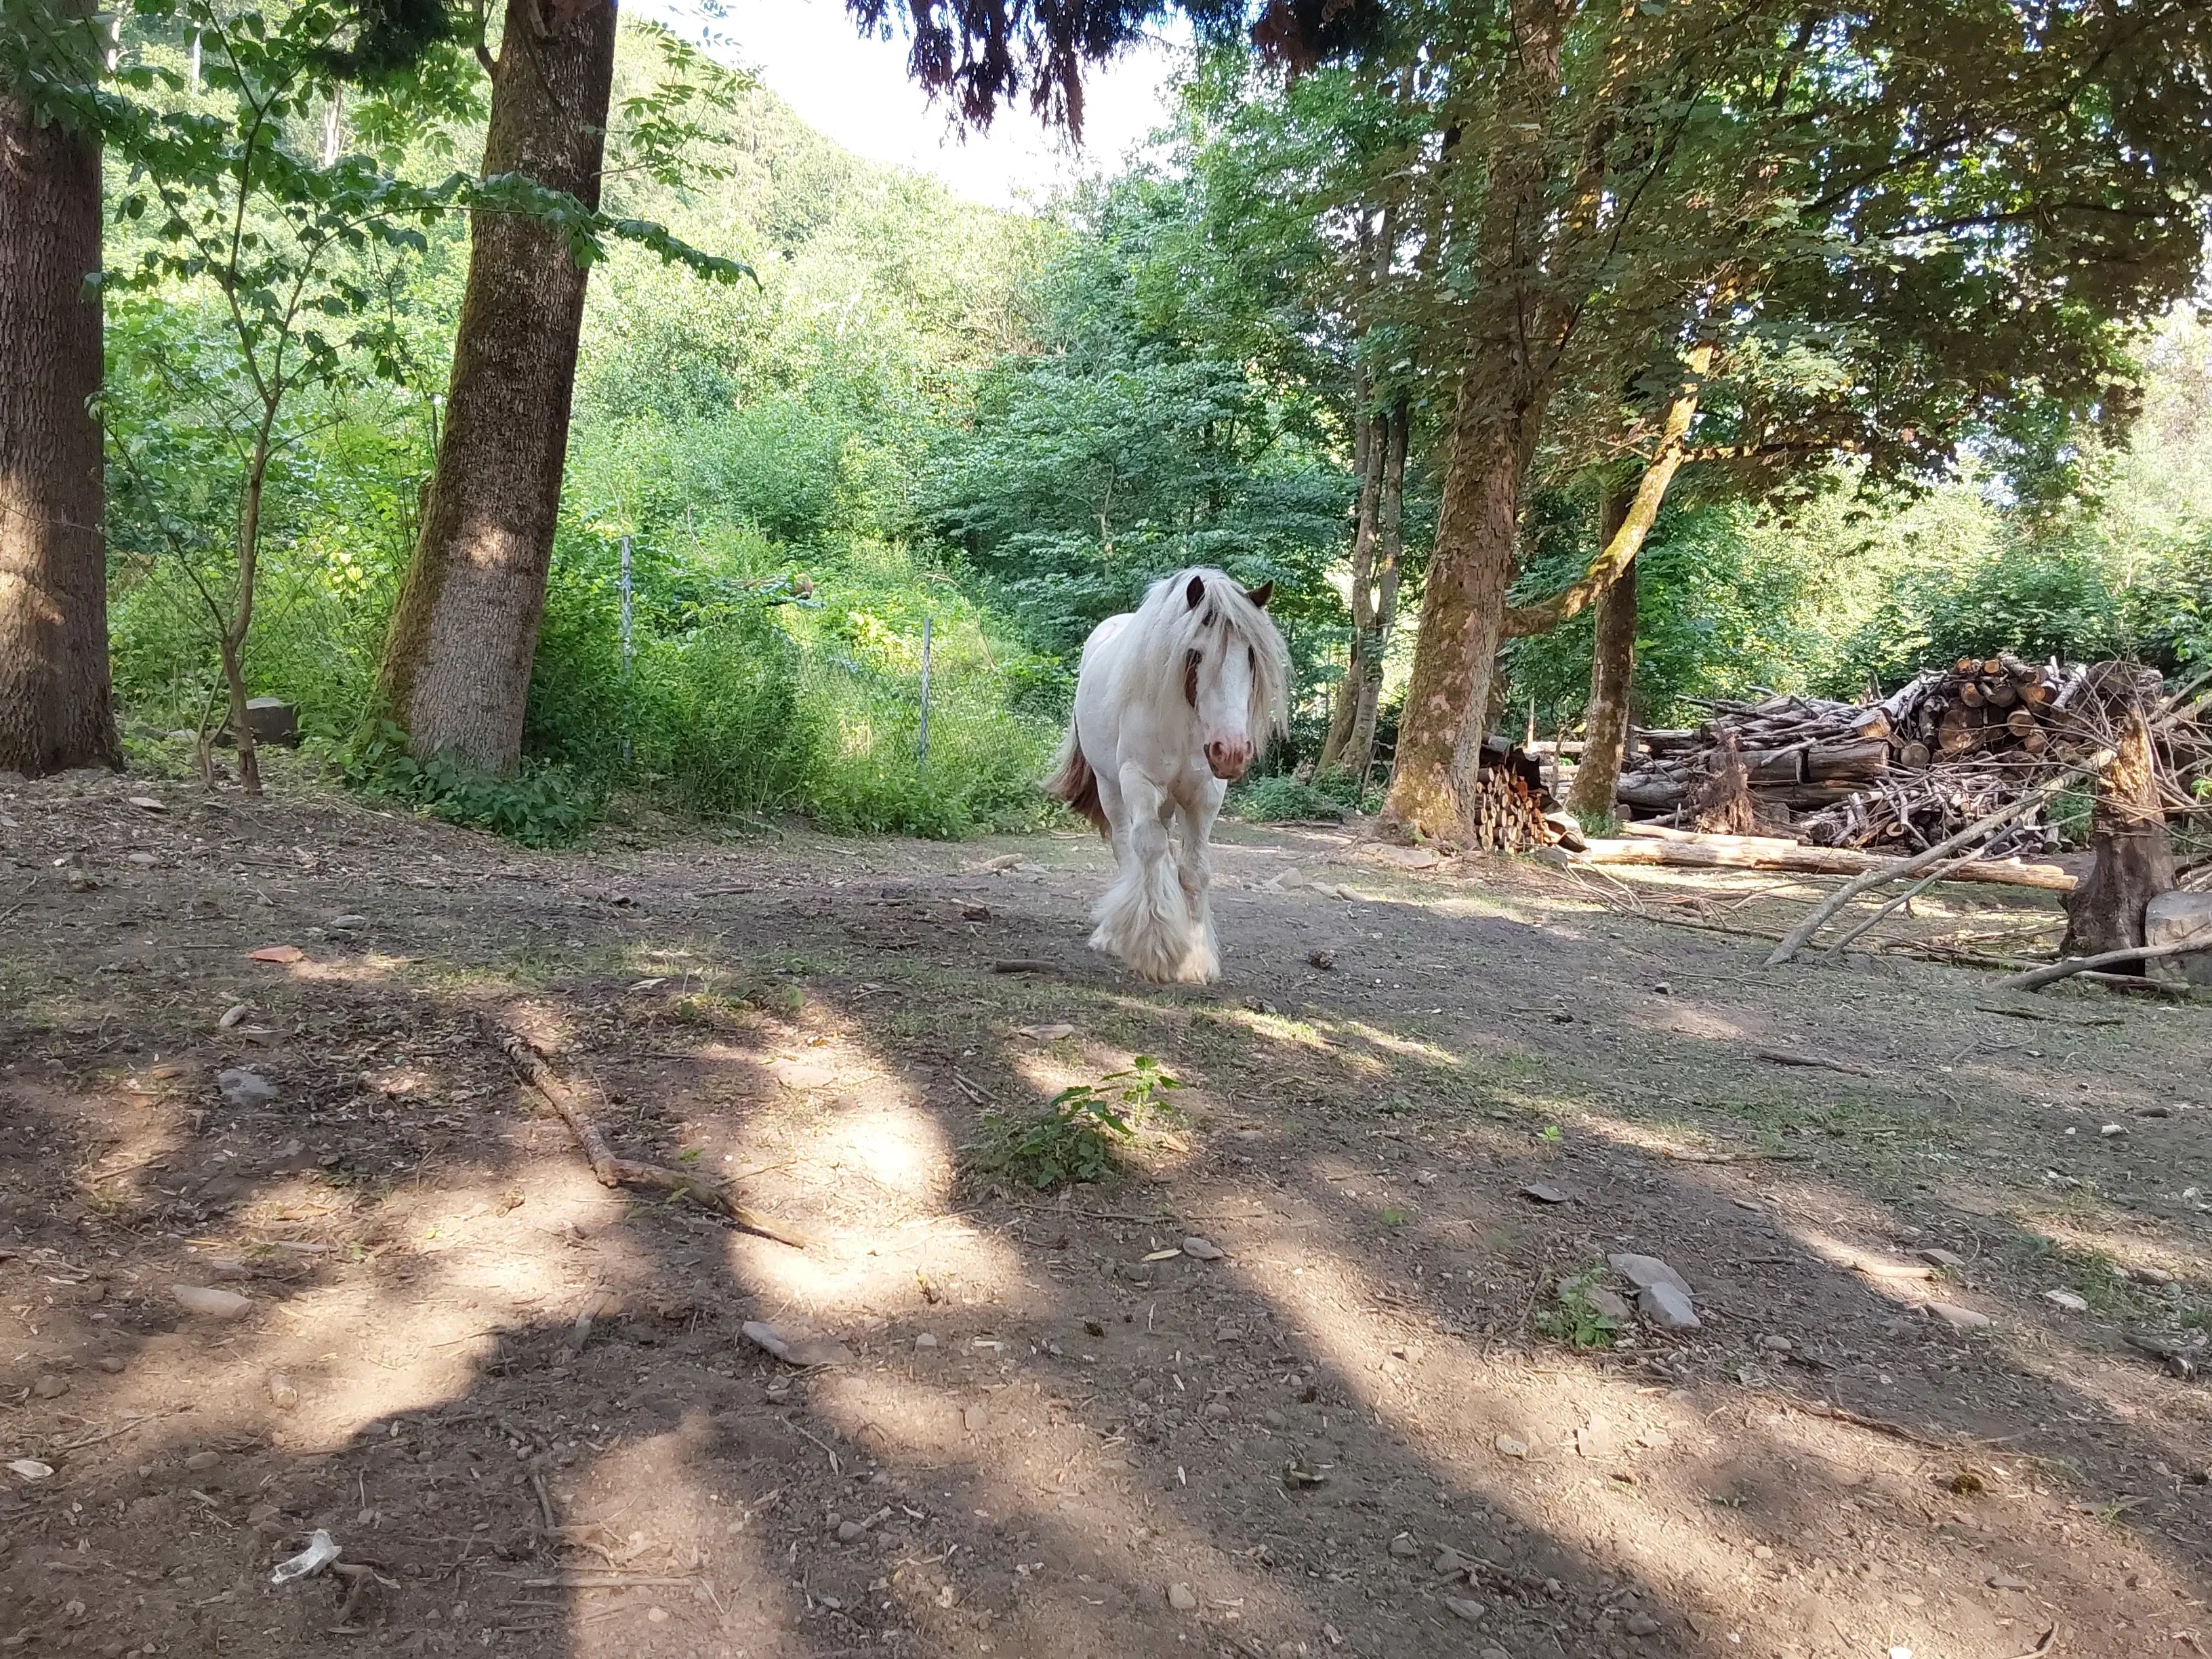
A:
544, 807
1279, 798
1578, 1321
1073, 1138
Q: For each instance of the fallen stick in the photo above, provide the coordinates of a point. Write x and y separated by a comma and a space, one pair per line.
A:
1785, 1057
2051, 973
613, 1171
1772, 853
1940, 873
1973, 833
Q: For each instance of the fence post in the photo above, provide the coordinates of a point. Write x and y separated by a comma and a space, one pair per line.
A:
626, 650
921, 752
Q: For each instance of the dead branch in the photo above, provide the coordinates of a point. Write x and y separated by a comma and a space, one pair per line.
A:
701, 1188
2051, 973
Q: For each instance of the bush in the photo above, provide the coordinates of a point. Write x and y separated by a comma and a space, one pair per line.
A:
544, 807
1279, 798
1073, 1138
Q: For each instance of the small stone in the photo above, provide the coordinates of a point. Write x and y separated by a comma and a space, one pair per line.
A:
1950, 1259
216, 1304
1275, 1420
1217, 1409
2150, 1275
971, 1418
1204, 1250
1403, 1547
349, 924
1668, 1307
657, 1615
1462, 1607
2067, 1300
1761, 1552
1512, 1445
51, 1387
1597, 1438
110, 1364
148, 804
1542, 1194
224, 1266
1958, 1318
925, 1340
239, 1087
1642, 1624
1774, 1344
1663, 989
850, 1531
1181, 1597
201, 1461
1645, 1271
2005, 1581
29, 1468
1449, 1561
1323, 960
283, 1393
1611, 1304
2112, 1129
231, 1016
145, 861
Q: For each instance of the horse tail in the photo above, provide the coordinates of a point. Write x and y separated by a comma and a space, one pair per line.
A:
1077, 785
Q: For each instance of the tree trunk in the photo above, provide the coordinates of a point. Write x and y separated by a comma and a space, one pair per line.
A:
1366, 451
56, 710
456, 670
2132, 861
1440, 737
1613, 666
1389, 545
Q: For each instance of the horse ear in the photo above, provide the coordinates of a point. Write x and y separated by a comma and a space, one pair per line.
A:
1262, 593
1195, 591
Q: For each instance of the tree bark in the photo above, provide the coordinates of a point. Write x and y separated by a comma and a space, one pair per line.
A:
1389, 545
1440, 736
56, 710
2132, 859
456, 670
1613, 667
1366, 451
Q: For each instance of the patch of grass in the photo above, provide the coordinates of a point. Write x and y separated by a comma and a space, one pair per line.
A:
546, 806
1073, 1138
1279, 797
1576, 1320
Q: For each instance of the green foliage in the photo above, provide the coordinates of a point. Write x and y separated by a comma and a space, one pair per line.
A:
1074, 1138
544, 807
1278, 797
1576, 1320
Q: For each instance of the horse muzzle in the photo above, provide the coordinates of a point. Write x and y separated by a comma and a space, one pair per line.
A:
1228, 761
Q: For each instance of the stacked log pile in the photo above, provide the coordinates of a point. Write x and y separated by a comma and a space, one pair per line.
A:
1899, 775
1503, 811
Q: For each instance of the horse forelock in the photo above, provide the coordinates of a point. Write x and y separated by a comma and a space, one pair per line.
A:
1166, 628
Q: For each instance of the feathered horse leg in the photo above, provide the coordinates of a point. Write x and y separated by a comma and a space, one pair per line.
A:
1194, 874
1143, 917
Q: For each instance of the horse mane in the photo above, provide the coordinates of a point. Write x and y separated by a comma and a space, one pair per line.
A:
1165, 626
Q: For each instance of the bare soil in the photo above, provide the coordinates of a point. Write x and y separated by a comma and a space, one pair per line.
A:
525, 1401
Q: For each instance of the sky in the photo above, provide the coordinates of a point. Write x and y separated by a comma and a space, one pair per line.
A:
856, 92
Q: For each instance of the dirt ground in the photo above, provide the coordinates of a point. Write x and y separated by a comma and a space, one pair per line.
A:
525, 1402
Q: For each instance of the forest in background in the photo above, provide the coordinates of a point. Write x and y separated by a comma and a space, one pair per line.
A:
1006, 424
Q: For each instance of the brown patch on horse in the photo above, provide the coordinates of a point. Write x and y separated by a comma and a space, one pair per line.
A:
1077, 785
1190, 662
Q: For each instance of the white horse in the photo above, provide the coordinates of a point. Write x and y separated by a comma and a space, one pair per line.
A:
1173, 701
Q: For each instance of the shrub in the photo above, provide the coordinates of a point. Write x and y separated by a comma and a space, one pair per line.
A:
546, 806
1279, 797
1073, 1138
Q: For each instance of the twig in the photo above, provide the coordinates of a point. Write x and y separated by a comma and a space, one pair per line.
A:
701, 1188
1880, 1426
596, 1580
2048, 1642
1783, 1057
2052, 972
2055, 1019
545, 1504
1942, 873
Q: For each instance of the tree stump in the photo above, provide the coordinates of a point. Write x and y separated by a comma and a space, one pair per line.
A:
2132, 861
1721, 804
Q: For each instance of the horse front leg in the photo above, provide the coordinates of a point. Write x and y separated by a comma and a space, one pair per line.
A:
1194, 875
1143, 918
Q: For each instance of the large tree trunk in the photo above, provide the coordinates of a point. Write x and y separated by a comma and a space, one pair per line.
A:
55, 706
1389, 545
1366, 451
1440, 736
1613, 666
456, 670
2132, 859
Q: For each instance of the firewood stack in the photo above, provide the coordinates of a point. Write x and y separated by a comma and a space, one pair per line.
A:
1897, 775
1503, 811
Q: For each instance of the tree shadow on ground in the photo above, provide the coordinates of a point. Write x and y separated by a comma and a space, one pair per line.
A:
1293, 1435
